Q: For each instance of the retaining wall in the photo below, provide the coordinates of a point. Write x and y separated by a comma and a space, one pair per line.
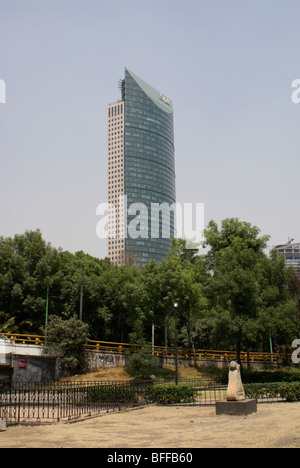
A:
99, 360
28, 363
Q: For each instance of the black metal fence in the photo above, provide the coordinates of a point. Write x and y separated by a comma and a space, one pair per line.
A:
206, 391
38, 403
25, 403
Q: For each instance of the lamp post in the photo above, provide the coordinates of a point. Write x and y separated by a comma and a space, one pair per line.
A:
81, 293
47, 310
152, 339
176, 347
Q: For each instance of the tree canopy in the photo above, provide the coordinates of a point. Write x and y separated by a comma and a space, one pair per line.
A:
235, 296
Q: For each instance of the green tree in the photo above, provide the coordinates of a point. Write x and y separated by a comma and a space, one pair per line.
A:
67, 338
23, 284
235, 259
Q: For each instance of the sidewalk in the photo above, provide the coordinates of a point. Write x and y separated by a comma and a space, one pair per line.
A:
274, 425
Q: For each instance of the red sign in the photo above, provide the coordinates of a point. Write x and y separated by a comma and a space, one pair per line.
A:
22, 363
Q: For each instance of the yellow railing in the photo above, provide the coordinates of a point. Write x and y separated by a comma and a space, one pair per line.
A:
160, 351
26, 339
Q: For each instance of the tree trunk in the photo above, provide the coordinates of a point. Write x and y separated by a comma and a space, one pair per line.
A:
238, 352
194, 355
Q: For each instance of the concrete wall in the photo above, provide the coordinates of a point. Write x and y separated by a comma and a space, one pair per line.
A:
29, 364
19, 348
28, 368
99, 360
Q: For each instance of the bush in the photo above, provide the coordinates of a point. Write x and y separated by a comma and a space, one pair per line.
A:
269, 376
263, 376
288, 391
291, 391
141, 363
112, 394
170, 394
268, 390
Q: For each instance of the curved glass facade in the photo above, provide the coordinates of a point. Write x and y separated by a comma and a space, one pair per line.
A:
149, 168
141, 168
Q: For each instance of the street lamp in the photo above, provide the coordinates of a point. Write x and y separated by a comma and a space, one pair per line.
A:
176, 347
47, 311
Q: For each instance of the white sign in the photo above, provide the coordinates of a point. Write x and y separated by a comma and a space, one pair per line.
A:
295, 354
296, 93
2, 92
165, 99
188, 219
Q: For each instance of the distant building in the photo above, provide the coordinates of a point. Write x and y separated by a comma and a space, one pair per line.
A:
291, 253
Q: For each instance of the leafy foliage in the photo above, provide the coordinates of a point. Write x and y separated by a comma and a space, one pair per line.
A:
112, 394
172, 394
141, 363
263, 376
67, 339
233, 297
287, 391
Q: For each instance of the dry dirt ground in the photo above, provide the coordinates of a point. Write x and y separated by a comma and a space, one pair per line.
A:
274, 425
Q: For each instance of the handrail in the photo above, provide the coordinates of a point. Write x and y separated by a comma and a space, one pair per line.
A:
160, 351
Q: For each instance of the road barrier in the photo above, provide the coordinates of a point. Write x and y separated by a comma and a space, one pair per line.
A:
160, 351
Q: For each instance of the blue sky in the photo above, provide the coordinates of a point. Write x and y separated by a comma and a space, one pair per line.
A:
227, 65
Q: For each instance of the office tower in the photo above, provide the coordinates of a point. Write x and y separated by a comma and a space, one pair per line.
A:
291, 253
141, 170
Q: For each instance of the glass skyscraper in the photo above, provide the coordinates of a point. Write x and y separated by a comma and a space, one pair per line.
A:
141, 173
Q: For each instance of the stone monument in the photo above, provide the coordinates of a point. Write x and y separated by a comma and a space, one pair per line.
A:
236, 403
235, 389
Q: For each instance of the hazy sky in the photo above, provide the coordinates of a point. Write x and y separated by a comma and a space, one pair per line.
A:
228, 66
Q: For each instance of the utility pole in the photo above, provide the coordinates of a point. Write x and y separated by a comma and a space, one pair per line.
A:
152, 339
81, 294
176, 345
271, 347
47, 309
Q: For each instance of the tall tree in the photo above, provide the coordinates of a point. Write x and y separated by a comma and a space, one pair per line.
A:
234, 258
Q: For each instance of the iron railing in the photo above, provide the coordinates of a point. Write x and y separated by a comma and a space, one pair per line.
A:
28, 403
207, 391
160, 351
33, 402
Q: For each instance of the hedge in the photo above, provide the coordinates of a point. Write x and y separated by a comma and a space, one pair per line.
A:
263, 376
172, 394
287, 391
112, 394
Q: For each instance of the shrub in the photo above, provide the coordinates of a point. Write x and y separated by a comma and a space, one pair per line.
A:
268, 390
112, 394
263, 376
170, 394
288, 391
141, 363
269, 376
291, 391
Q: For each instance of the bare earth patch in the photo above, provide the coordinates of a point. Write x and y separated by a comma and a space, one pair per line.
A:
122, 373
274, 425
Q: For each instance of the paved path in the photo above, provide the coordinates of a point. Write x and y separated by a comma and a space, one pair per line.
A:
274, 425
